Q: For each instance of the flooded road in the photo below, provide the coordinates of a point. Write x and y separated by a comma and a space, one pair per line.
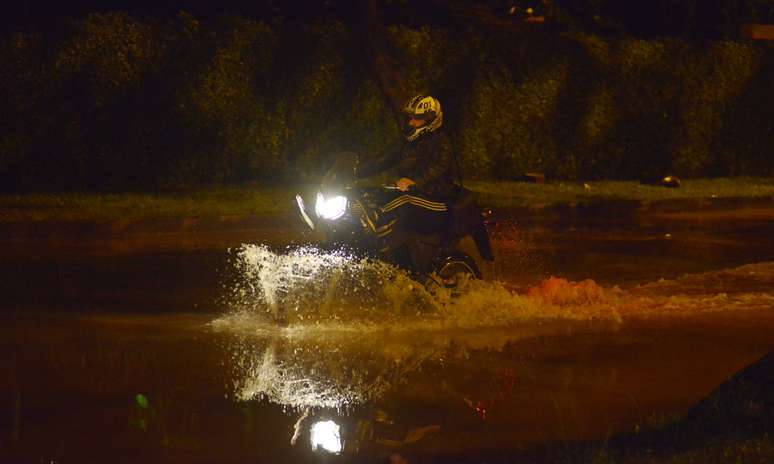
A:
162, 347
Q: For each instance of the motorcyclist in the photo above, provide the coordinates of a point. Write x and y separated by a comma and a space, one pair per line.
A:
426, 170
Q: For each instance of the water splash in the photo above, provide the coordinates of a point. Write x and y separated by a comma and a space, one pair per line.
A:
308, 285
335, 290
310, 291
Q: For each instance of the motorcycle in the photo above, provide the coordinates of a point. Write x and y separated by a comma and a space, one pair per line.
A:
340, 211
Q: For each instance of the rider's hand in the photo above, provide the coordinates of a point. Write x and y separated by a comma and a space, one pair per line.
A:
404, 183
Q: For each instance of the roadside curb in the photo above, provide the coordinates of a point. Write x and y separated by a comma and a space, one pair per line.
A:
597, 206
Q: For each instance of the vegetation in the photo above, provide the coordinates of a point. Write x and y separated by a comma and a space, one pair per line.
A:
114, 102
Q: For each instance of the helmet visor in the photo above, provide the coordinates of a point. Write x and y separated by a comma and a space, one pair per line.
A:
427, 116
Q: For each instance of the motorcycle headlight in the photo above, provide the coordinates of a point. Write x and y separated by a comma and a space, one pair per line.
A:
330, 208
326, 435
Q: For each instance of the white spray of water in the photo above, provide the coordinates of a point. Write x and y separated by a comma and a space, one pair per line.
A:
334, 291
312, 286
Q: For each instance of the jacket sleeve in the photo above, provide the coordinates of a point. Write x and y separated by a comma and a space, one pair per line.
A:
441, 165
385, 160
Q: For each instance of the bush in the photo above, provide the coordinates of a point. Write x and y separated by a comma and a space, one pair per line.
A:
626, 108
116, 102
226, 102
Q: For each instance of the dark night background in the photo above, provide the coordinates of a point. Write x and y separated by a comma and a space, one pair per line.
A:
638, 17
118, 95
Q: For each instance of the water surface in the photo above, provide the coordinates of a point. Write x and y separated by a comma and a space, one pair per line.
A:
166, 347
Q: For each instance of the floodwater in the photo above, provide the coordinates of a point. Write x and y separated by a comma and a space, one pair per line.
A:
160, 344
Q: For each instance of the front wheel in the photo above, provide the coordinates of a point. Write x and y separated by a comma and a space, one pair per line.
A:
452, 276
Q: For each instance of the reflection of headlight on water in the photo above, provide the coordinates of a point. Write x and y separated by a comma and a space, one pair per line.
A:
331, 208
326, 435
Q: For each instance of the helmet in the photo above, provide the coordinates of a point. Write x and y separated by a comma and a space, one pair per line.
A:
426, 108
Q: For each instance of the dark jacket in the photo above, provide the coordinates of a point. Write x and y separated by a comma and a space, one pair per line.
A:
428, 161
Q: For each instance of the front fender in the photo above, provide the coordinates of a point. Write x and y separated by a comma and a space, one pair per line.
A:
303, 214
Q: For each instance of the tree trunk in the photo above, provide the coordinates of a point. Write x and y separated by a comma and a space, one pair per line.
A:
386, 66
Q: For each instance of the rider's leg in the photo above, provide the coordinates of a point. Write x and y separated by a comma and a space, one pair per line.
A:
407, 215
